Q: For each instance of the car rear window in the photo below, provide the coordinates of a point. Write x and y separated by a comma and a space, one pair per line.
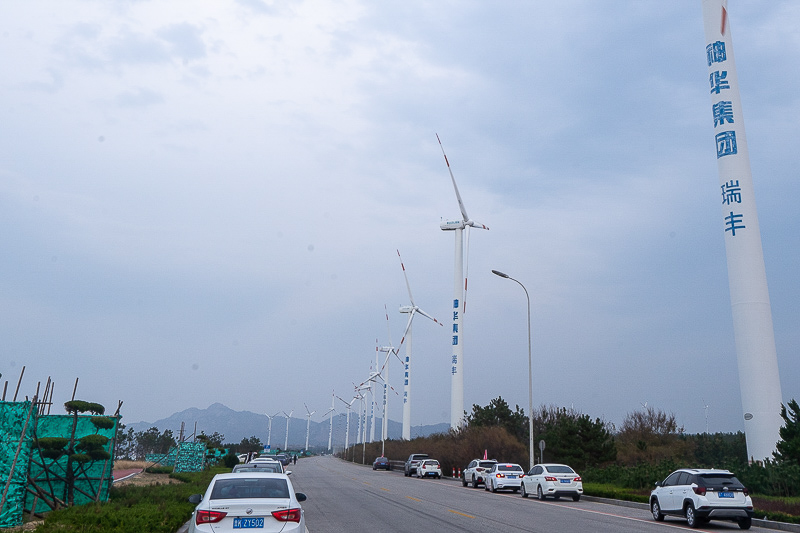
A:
259, 467
487, 464
556, 469
231, 489
509, 468
712, 481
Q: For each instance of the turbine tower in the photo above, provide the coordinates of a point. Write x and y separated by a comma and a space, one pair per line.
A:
286, 443
269, 431
412, 310
756, 355
347, 426
459, 307
308, 425
330, 411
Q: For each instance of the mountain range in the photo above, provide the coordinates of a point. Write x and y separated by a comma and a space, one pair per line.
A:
238, 425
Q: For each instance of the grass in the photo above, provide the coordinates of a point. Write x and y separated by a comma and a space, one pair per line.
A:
133, 509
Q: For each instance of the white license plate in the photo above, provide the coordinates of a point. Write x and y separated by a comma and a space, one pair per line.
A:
725, 494
248, 523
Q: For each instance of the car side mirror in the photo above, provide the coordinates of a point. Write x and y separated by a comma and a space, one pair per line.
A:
658, 483
195, 498
300, 496
288, 472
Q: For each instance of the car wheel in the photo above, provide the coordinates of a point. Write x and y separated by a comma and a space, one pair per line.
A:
745, 523
539, 493
691, 516
524, 492
576, 497
494, 489
463, 481
474, 483
485, 485
655, 508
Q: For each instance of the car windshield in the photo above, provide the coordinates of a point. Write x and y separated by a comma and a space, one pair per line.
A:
560, 469
231, 489
719, 480
487, 464
509, 468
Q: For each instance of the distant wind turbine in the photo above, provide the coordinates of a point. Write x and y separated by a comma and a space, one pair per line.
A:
459, 305
347, 426
308, 425
286, 443
331, 411
269, 431
412, 310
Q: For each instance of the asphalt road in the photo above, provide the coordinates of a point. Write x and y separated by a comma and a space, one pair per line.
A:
347, 498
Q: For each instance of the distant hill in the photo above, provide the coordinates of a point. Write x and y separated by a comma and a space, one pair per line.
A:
238, 425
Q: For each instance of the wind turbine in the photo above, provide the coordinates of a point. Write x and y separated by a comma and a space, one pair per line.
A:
330, 411
459, 307
308, 424
269, 431
347, 426
412, 310
286, 443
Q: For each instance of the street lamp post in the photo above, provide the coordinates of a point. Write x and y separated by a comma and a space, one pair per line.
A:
530, 369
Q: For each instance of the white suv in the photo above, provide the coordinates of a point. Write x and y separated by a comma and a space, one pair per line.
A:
475, 471
701, 495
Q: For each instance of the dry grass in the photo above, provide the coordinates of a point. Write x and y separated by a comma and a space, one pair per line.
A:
124, 465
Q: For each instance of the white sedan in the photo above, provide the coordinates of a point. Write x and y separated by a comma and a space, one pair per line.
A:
503, 476
263, 501
429, 468
552, 480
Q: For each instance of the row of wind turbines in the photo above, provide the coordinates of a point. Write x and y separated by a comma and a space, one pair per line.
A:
378, 378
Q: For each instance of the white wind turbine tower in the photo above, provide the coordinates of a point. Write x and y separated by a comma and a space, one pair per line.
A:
308, 425
331, 411
412, 310
372, 402
459, 293
347, 426
269, 431
286, 443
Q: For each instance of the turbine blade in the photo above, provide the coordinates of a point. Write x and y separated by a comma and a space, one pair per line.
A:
408, 286
426, 315
458, 195
477, 225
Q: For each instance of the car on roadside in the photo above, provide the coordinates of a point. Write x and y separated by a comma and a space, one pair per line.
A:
413, 460
503, 476
381, 462
429, 468
256, 500
701, 495
552, 480
475, 470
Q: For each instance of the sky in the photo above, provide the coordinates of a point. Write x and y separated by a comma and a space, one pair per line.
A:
203, 202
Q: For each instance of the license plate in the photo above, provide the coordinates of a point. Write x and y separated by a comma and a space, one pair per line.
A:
725, 494
248, 523
566, 481
512, 477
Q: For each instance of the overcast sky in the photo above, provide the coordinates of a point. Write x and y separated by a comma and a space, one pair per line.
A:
203, 201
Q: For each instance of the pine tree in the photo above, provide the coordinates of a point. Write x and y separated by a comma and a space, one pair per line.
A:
788, 448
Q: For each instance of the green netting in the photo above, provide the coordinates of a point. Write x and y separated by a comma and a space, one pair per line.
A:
163, 459
191, 457
47, 476
17, 421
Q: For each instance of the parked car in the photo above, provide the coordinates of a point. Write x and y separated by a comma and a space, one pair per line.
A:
700, 495
381, 462
282, 458
474, 472
503, 476
552, 480
261, 500
261, 466
429, 468
413, 460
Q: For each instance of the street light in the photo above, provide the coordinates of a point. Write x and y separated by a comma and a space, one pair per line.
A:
530, 368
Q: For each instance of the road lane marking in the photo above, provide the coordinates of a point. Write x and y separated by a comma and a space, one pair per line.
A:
413, 498
387, 490
462, 514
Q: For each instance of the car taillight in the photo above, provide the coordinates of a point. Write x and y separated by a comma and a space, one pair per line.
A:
701, 491
550, 478
500, 475
745, 491
577, 479
479, 469
208, 517
287, 515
